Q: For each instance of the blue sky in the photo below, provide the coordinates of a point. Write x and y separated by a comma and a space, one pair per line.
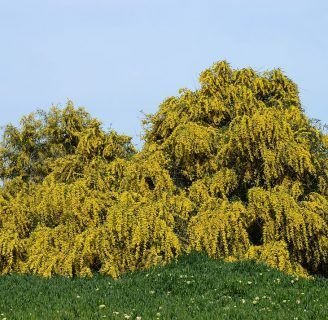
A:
119, 57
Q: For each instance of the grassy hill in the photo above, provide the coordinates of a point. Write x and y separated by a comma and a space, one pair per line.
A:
195, 287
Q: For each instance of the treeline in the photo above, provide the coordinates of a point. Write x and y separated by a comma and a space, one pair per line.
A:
235, 169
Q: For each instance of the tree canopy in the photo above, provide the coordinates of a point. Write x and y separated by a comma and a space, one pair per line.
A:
234, 168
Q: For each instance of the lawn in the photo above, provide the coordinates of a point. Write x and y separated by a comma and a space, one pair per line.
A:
195, 287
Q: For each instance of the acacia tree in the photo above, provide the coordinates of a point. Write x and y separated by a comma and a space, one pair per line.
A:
253, 164
78, 199
234, 169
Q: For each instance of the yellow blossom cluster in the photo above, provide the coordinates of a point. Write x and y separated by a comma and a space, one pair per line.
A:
234, 168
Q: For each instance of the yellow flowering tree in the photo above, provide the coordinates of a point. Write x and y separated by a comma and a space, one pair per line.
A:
77, 199
253, 165
234, 168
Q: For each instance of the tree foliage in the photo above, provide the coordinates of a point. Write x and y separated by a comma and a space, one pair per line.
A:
252, 163
46, 140
78, 199
234, 168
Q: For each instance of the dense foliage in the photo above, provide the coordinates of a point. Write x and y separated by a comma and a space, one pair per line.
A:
234, 169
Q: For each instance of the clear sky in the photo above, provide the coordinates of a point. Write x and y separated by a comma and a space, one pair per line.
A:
117, 57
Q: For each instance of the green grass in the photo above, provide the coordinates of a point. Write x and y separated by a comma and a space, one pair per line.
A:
194, 288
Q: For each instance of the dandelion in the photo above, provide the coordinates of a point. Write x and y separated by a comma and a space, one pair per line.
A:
152, 292
102, 306
249, 282
298, 301
243, 300
138, 318
78, 297
126, 316
115, 312
158, 314
188, 282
